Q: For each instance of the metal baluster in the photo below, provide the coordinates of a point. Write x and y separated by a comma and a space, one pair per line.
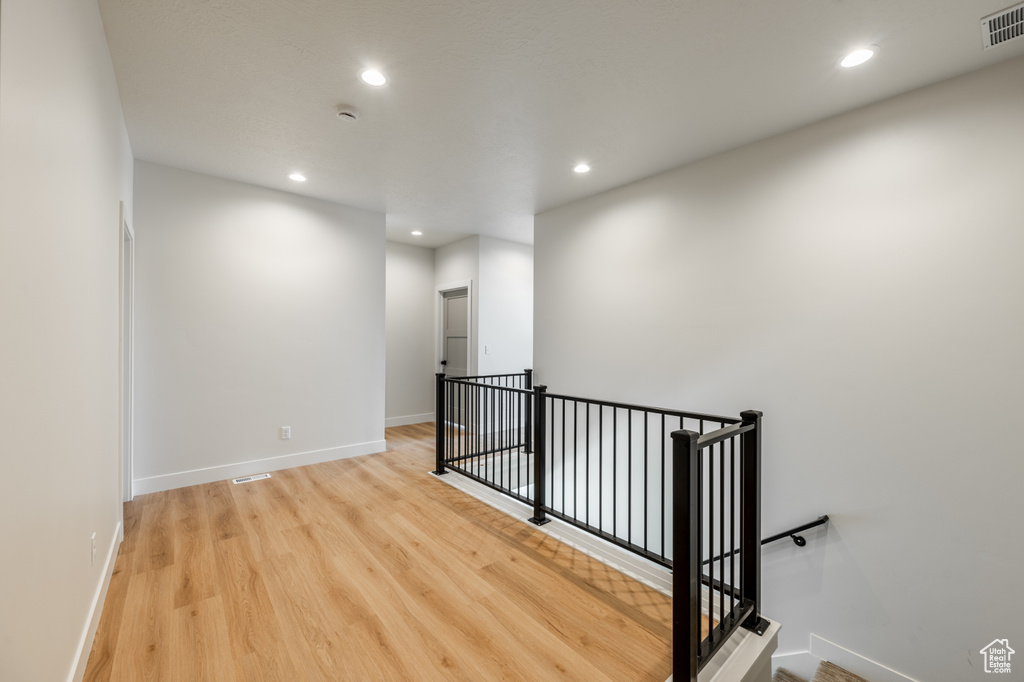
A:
575, 460
711, 543
732, 524
664, 554
600, 467
721, 531
629, 476
615, 472
647, 417
586, 468
563, 455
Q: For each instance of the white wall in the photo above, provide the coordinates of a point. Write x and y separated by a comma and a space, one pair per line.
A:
501, 300
65, 163
457, 263
859, 281
409, 394
255, 309
505, 341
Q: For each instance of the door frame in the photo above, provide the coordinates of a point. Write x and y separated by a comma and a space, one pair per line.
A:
439, 317
126, 358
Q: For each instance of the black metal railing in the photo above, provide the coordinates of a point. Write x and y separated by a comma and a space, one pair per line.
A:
717, 505
671, 486
607, 468
487, 430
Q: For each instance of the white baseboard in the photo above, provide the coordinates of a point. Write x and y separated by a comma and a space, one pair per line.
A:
802, 663
805, 663
854, 662
409, 419
181, 479
89, 634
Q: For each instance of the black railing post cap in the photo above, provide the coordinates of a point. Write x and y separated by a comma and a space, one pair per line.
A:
685, 434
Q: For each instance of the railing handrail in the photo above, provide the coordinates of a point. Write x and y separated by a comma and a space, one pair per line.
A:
497, 387
724, 433
654, 410
792, 532
798, 540
491, 376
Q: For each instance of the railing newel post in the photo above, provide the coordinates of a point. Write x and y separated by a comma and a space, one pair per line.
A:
439, 423
528, 429
750, 514
539, 464
686, 568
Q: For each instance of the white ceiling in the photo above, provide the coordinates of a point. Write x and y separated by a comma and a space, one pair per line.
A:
491, 103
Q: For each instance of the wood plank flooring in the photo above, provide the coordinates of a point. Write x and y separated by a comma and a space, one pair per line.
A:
366, 568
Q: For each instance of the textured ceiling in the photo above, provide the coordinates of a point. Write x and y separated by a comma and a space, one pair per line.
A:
490, 103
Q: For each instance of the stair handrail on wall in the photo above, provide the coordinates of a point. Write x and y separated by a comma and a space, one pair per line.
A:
668, 485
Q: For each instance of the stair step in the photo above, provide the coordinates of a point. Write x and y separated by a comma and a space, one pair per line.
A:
783, 675
829, 672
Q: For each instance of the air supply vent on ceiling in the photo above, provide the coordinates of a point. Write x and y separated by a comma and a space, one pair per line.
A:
246, 479
1003, 26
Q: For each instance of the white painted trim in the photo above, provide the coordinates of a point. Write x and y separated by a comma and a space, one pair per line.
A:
854, 662
802, 663
125, 454
181, 479
409, 419
745, 657
77, 672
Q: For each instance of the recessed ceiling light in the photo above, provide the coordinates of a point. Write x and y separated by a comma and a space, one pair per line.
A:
859, 56
297, 177
373, 77
417, 233
582, 168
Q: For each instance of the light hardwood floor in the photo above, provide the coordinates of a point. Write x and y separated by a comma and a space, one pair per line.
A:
366, 568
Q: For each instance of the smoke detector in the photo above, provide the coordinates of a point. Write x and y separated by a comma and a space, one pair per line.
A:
1002, 26
347, 112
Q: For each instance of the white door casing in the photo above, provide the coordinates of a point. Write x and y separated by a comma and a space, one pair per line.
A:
126, 353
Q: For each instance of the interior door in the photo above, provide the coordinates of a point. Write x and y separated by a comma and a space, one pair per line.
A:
455, 354
455, 346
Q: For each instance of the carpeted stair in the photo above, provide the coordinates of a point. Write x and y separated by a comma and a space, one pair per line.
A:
783, 675
827, 672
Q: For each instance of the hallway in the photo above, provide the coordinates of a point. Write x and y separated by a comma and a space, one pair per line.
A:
365, 568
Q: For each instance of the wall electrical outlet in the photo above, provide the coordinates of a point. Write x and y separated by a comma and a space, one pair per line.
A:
92, 559
286, 432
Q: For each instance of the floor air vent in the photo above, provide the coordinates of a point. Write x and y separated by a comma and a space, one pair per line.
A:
1003, 26
246, 479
